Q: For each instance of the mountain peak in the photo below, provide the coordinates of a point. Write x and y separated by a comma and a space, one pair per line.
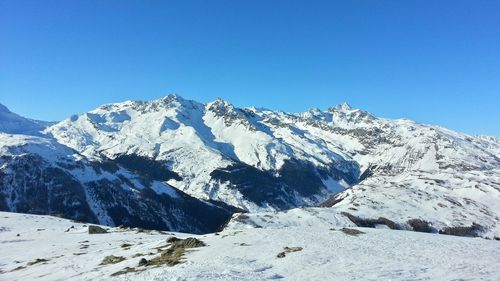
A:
221, 106
342, 107
174, 100
220, 102
173, 96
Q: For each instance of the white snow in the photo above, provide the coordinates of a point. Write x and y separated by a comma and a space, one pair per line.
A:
244, 253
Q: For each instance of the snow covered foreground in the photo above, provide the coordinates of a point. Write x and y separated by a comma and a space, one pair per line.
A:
243, 252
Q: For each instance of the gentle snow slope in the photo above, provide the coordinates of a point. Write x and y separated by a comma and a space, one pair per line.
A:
12, 123
244, 254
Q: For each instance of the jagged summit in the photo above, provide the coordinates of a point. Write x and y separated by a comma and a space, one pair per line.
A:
342, 106
314, 112
220, 105
166, 102
219, 101
173, 98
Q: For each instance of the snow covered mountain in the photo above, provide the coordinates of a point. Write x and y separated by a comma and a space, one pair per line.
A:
39, 175
372, 170
221, 152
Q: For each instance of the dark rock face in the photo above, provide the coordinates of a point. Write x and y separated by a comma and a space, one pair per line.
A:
34, 187
468, 231
230, 114
364, 222
367, 173
143, 262
421, 226
148, 168
149, 210
293, 178
248, 180
30, 184
332, 201
301, 177
94, 229
418, 225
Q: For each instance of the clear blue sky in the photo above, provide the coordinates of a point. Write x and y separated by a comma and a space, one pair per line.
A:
435, 62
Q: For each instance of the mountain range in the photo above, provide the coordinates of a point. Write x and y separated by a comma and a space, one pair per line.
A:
180, 165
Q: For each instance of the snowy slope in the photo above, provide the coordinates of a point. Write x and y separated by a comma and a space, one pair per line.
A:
261, 160
39, 175
14, 124
65, 251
